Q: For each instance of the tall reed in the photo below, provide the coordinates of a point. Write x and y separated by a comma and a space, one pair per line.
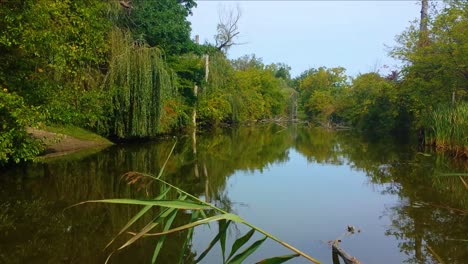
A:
449, 129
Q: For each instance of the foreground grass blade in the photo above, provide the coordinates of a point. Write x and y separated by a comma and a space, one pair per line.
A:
137, 216
223, 225
278, 260
163, 203
161, 240
165, 162
247, 252
137, 236
240, 242
215, 218
284, 244
164, 214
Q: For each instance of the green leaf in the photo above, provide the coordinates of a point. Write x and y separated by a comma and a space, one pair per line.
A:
165, 162
164, 214
223, 225
240, 242
247, 252
137, 236
163, 203
279, 259
232, 217
221, 233
137, 216
163, 238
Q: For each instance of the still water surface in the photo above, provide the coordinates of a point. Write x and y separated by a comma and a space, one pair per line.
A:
301, 184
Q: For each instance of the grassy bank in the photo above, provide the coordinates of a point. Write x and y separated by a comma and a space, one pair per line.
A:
76, 132
448, 129
60, 140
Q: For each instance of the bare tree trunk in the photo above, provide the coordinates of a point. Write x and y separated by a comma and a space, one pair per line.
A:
194, 113
207, 67
424, 10
423, 34
194, 122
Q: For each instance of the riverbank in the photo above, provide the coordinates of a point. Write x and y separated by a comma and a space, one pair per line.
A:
64, 140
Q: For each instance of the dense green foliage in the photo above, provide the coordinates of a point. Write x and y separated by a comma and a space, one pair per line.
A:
124, 70
161, 23
436, 68
15, 143
372, 104
51, 53
243, 90
319, 91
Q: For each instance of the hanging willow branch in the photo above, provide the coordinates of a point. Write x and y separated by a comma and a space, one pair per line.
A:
139, 80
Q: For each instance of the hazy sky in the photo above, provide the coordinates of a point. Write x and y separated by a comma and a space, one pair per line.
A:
305, 34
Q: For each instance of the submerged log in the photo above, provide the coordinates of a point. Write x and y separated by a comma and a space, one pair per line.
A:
337, 251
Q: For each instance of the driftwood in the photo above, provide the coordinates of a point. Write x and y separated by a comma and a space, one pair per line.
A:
337, 251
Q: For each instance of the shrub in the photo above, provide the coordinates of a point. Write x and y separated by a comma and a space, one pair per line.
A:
15, 143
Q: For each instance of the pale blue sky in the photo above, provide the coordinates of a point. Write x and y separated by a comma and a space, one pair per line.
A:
305, 34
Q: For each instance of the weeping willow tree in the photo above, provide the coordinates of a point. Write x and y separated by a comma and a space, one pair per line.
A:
139, 81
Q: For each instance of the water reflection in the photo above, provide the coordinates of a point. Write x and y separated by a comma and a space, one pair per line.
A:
35, 229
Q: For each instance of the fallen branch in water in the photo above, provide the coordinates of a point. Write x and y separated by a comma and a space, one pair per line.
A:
337, 251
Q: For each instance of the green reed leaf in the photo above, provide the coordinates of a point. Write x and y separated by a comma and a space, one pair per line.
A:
240, 242
137, 216
223, 225
189, 205
231, 217
278, 260
161, 240
238, 259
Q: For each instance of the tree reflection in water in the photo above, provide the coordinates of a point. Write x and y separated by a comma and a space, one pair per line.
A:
430, 220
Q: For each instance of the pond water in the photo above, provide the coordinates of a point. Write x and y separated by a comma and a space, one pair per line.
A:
303, 185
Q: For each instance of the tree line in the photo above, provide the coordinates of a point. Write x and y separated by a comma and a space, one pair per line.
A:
130, 70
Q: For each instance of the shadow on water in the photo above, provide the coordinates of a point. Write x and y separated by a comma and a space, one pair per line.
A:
430, 220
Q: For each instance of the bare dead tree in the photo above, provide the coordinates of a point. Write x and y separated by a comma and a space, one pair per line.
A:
228, 28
